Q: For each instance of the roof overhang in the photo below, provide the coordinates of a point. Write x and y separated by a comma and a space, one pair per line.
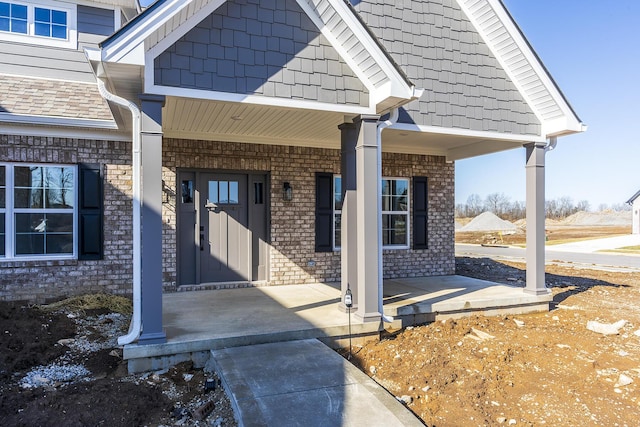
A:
523, 66
161, 25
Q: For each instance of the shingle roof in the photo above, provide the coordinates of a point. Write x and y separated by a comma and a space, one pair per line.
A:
53, 98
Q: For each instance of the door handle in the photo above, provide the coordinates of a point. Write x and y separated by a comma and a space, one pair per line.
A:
201, 241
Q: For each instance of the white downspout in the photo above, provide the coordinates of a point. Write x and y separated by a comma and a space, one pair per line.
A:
136, 322
393, 118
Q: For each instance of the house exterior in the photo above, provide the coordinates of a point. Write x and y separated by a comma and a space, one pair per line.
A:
209, 143
635, 208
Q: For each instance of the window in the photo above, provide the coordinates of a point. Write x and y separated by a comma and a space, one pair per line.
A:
395, 212
13, 18
46, 22
37, 211
50, 23
223, 192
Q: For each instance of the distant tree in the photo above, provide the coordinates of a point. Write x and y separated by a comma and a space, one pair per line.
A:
498, 203
583, 206
603, 207
475, 206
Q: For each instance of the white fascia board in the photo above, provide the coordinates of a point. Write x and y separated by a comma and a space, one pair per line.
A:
57, 121
562, 126
468, 133
572, 121
129, 47
26, 129
255, 99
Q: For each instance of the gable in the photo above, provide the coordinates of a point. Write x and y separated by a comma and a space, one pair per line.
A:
440, 50
251, 49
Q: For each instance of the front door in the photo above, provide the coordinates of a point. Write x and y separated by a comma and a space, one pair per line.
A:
224, 237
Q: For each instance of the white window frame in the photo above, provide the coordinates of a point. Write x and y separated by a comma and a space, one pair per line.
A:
10, 211
407, 213
71, 42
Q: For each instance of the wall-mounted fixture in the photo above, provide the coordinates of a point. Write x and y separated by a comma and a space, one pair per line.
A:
287, 192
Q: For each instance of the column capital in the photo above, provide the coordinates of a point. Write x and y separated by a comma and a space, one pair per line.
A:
152, 112
346, 126
366, 118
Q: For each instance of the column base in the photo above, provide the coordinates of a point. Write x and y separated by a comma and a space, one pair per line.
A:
368, 317
545, 291
152, 338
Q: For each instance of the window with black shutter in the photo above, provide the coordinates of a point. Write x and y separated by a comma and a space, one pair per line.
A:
324, 212
90, 222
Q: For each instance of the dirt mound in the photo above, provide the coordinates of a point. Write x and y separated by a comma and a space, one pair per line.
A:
488, 221
525, 370
598, 218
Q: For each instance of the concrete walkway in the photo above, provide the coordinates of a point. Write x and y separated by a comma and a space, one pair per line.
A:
304, 383
595, 245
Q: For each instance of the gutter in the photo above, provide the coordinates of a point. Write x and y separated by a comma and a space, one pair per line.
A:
136, 322
393, 118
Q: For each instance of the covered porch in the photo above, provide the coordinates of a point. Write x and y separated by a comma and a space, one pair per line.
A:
199, 321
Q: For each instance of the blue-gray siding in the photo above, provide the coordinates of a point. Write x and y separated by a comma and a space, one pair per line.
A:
264, 48
44, 61
94, 20
440, 51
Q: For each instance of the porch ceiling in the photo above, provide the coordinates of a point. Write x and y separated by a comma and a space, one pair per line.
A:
238, 122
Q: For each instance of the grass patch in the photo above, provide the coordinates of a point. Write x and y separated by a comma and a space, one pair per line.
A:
625, 250
113, 303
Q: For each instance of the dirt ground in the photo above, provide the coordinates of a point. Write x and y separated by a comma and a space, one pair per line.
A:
555, 235
530, 370
63, 368
525, 370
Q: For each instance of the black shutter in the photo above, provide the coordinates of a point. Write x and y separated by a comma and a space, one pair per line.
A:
324, 212
420, 212
90, 233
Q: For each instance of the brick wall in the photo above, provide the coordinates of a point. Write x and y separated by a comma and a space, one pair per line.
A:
40, 281
293, 223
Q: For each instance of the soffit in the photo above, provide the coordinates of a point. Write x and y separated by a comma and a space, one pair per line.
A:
235, 122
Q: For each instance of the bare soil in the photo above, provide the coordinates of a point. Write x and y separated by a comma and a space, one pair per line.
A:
555, 234
32, 338
535, 369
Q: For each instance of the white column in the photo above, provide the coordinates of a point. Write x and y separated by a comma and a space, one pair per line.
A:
368, 220
535, 219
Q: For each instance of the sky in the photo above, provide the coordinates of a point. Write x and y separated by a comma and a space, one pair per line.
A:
592, 50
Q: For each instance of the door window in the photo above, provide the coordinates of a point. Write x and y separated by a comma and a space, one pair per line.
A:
223, 192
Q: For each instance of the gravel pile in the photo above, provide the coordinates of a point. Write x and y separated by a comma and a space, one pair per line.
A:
488, 221
52, 374
604, 218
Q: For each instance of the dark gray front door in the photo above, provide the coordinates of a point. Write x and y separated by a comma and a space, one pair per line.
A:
225, 246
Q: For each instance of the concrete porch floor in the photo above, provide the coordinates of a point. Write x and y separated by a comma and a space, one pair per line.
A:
199, 321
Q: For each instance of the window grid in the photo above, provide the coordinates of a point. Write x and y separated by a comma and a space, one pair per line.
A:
45, 22
39, 219
13, 18
395, 212
50, 23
